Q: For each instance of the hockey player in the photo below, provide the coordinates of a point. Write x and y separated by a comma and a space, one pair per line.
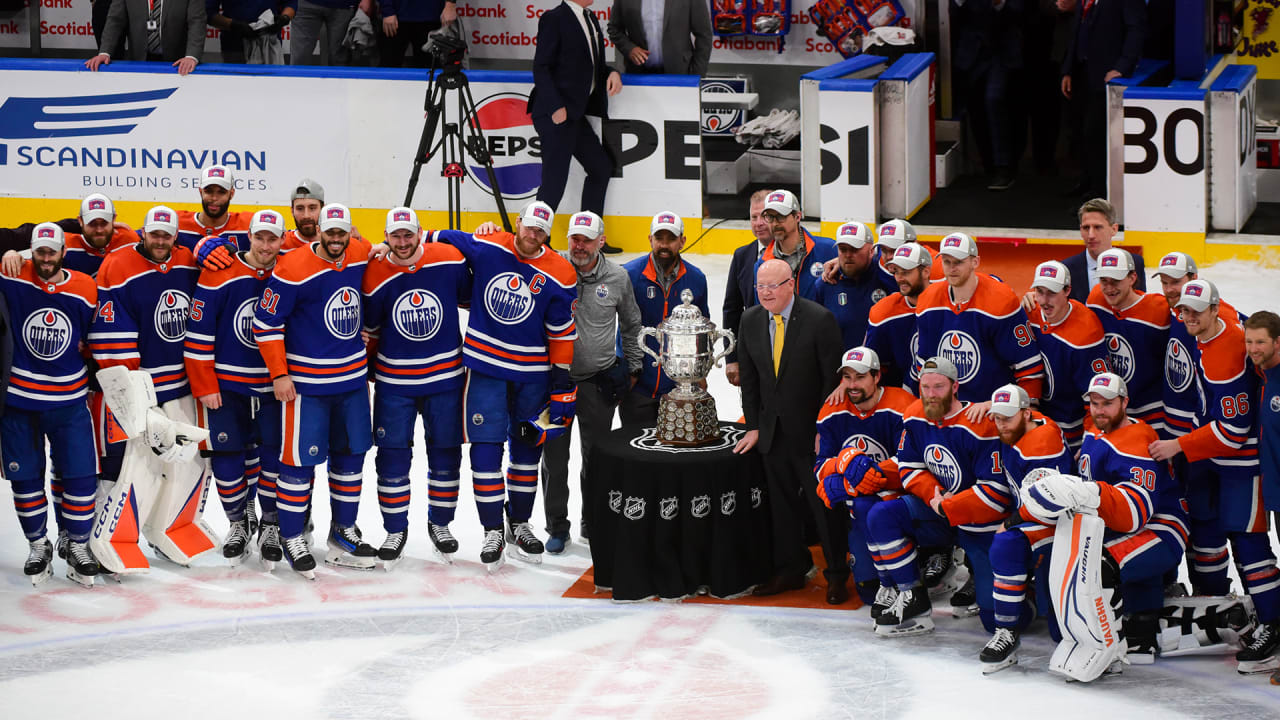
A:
868, 420
858, 286
51, 310
1222, 452
230, 382
1072, 344
411, 299
307, 324
215, 219
891, 326
800, 249
1030, 444
889, 237
85, 250
950, 466
658, 279
144, 299
517, 350
976, 322
304, 204
1136, 325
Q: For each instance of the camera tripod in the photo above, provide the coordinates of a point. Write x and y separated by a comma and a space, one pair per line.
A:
451, 143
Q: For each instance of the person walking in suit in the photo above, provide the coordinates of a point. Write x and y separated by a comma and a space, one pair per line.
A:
168, 30
788, 355
988, 58
571, 80
740, 291
1097, 228
662, 36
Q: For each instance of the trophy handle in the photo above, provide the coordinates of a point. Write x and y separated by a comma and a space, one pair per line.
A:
645, 347
727, 335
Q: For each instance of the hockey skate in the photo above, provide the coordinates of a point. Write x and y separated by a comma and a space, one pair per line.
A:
39, 565
347, 549
61, 545
269, 550
908, 615
236, 547
299, 557
964, 602
1259, 654
939, 574
82, 568
491, 552
443, 541
884, 599
1140, 631
392, 548
527, 545
1001, 651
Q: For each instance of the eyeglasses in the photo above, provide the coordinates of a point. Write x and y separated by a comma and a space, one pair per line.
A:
762, 288
774, 218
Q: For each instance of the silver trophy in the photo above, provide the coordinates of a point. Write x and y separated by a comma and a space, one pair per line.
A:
686, 353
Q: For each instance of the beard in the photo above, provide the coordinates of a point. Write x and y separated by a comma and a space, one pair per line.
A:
54, 269
935, 409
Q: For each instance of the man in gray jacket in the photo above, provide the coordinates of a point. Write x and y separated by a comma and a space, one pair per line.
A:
606, 302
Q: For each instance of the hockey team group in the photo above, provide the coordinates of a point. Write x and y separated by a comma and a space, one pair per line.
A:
969, 421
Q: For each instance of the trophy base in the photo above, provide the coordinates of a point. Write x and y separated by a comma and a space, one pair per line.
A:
687, 422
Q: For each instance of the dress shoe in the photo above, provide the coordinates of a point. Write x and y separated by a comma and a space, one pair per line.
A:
838, 593
779, 584
610, 250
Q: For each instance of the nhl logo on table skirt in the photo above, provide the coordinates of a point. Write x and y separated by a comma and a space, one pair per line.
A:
757, 497
634, 509
615, 500
668, 508
700, 506
728, 503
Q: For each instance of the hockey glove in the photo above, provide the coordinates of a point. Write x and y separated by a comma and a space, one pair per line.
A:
281, 21
1053, 496
832, 490
564, 396
861, 473
215, 253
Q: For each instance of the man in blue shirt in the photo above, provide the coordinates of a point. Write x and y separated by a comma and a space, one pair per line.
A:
857, 287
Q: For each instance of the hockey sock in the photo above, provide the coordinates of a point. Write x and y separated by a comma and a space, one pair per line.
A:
345, 477
860, 564
486, 482
892, 549
1010, 568
252, 474
1257, 567
393, 487
78, 502
55, 492
32, 506
522, 479
109, 466
1207, 559
228, 473
267, 479
293, 495
443, 466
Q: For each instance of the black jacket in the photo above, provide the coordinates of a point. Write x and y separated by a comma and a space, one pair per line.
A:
1078, 266
561, 71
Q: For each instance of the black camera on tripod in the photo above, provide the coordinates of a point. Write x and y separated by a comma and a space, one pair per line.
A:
446, 50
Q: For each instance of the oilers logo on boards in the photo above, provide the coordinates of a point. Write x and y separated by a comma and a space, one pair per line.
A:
171, 315
417, 314
1120, 356
47, 333
944, 467
960, 348
244, 323
513, 145
867, 446
719, 120
508, 299
1178, 368
342, 313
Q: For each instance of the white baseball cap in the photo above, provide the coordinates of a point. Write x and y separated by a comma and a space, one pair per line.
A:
402, 218
586, 224
1052, 276
1009, 400
911, 256
538, 215
854, 234
1199, 295
894, 233
96, 206
860, 359
1115, 264
783, 202
47, 234
1176, 265
268, 220
335, 216
161, 218
219, 175
669, 221
958, 245
1108, 385
940, 366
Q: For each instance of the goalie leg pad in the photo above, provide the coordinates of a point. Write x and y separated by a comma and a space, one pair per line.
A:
1092, 637
121, 506
128, 394
1204, 625
175, 523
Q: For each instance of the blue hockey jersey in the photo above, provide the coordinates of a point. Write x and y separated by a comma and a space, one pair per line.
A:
875, 433
1074, 350
50, 320
220, 351
1137, 489
891, 332
960, 459
1137, 338
1041, 446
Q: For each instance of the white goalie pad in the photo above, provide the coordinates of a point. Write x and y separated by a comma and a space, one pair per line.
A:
129, 394
1204, 625
1091, 633
173, 441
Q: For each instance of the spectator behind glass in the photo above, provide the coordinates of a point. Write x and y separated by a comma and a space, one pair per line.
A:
325, 22
406, 24
242, 43
661, 36
988, 56
174, 35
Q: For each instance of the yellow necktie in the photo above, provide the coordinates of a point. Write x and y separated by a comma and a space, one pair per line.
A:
779, 333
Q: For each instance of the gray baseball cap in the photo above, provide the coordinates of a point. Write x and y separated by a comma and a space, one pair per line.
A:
308, 189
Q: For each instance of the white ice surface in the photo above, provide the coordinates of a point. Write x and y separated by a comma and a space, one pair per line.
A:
435, 641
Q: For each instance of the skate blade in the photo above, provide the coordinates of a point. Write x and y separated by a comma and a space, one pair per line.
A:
914, 626
446, 557
967, 611
531, 558
389, 565
339, 558
494, 566
39, 578
308, 574
995, 667
81, 580
237, 560
1140, 658
268, 565
1255, 667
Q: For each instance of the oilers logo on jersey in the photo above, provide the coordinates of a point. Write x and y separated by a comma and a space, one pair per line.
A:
961, 349
342, 313
47, 333
1047, 394
171, 315
243, 323
507, 298
944, 467
417, 314
1120, 356
1178, 368
1086, 471
868, 446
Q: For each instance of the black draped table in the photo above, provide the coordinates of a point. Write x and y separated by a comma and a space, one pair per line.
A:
674, 522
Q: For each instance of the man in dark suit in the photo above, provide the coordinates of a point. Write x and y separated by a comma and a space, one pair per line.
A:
168, 30
571, 80
662, 36
788, 355
1097, 228
988, 52
740, 290
1106, 41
